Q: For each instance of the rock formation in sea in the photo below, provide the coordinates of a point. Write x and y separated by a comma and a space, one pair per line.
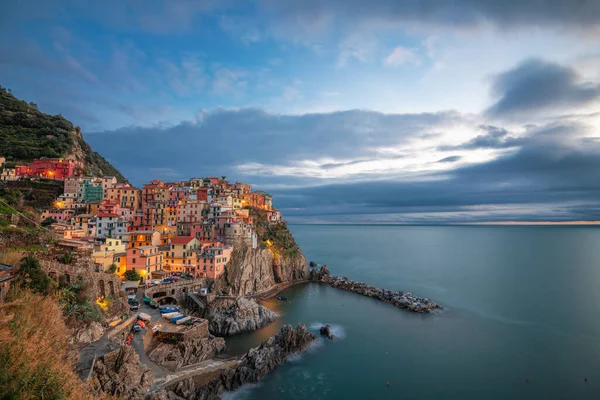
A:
403, 300
325, 330
254, 366
259, 270
230, 317
120, 374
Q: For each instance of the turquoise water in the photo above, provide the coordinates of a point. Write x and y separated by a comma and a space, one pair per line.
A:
519, 302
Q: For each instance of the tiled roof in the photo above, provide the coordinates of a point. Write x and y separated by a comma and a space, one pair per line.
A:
181, 239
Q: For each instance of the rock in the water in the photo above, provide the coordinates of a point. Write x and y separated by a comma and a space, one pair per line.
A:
255, 365
230, 317
312, 264
319, 274
402, 300
120, 373
191, 351
325, 330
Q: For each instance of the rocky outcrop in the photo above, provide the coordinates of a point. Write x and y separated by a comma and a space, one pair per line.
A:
255, 365
186, 352
325, 330
120, 373
403, 300
259, 270
230, 317
318, 274
87, 333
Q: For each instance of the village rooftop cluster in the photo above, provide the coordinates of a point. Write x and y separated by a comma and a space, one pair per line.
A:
164, 228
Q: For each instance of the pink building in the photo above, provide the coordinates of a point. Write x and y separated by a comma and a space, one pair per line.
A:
59, 214
211, 262
146, 260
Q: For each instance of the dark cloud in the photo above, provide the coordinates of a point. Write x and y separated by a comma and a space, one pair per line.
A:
222, 139
493, 138
536, 85
547, 179
562, 14
450, 159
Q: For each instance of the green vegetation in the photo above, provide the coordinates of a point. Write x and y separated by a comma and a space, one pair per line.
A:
132, 275
76, 301
31, 276
277, 234
31, 193
27, 134
112, 268
48, 221
35, 360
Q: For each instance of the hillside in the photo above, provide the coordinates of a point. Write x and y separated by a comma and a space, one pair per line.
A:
27, 134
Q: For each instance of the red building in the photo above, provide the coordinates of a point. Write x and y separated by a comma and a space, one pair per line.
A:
51, 168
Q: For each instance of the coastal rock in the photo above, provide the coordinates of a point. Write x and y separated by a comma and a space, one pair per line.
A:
257, 271
120, 373
319, 274
187, 352
325, 330
230, 317
403, 300
312, 264
87, 333
254, 366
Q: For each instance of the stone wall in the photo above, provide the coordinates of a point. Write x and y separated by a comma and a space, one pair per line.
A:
177, 290
103, 284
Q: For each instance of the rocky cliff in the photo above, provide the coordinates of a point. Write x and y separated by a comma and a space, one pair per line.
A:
187, 352
255, 365
230, 317
120, 374
259, 270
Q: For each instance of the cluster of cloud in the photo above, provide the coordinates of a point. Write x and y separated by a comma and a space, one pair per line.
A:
526, 150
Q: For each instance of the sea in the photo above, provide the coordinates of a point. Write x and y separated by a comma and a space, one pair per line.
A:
521, 316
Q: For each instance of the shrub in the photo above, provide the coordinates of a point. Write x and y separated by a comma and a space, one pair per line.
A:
132, 275
31, 276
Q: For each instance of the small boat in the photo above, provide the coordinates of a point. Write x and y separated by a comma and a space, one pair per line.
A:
281, 298
183, 320
142, 324
153, 304
169, 310
170, 317
136, 328
174, 320
144, 316
147, 300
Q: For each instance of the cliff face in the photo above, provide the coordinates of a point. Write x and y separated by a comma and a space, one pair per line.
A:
120, 373
186, 352
257, 271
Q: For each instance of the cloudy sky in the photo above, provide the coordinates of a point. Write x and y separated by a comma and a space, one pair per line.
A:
346, 110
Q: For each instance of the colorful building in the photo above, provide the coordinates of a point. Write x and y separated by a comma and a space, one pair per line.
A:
92, 192
51, 168
181, 254
146, 260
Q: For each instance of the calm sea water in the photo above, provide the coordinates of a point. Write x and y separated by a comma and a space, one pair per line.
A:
519, 302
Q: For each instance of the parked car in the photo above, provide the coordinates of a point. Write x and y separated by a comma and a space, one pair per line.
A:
133, 304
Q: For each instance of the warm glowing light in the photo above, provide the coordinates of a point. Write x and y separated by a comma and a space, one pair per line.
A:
102, 302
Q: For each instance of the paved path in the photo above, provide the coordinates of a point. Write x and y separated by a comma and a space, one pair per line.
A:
205, 367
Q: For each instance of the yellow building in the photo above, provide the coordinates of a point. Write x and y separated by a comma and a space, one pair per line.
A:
181, 253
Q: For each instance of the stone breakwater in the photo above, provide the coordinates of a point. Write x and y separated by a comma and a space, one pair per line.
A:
403, 300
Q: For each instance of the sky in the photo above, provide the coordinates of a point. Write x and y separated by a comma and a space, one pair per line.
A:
347, 111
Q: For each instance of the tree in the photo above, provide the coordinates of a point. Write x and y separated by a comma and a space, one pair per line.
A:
132, 275
30, 275
112, 268
48, 221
